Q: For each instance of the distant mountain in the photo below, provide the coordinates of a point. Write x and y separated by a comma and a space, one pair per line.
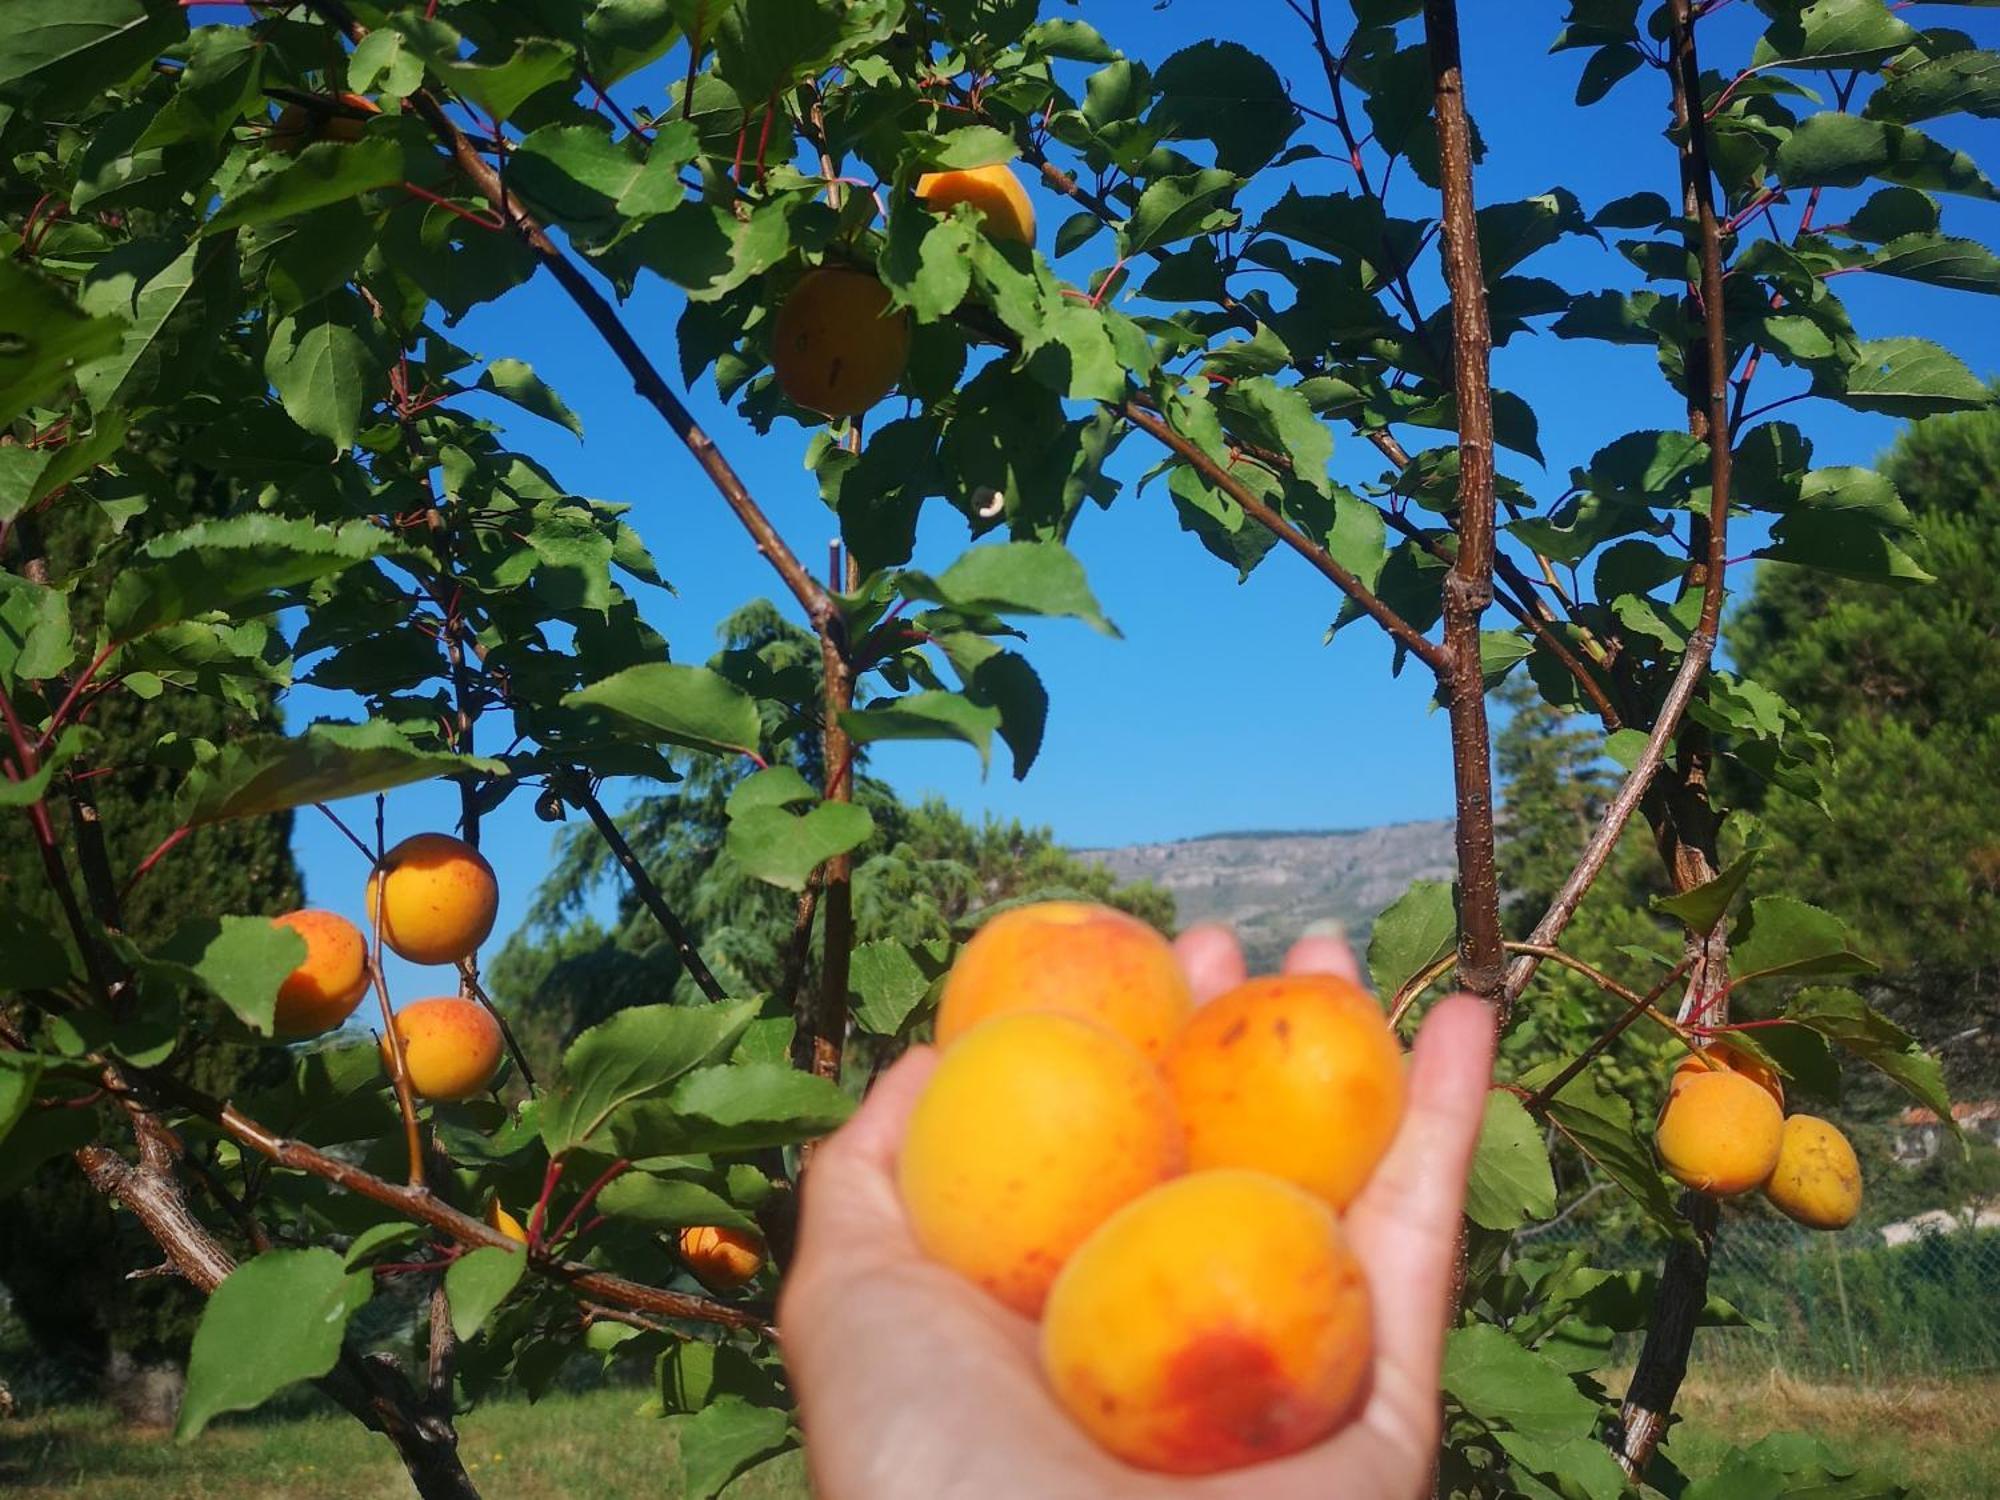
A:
1269, 885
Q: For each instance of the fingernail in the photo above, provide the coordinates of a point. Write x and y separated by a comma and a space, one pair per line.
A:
1326, 927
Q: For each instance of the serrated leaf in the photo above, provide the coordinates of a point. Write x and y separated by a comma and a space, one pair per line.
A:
241, 960
478, 1282
783, 848
1781, 935
324, 172
1601, 1126
1416, 930
1845, 1019
929, 715
1701, 908
1839, 150
516, 381
678, 705
36, 640
1939, 260
722, 1440
1834, 34
1906, 377
778, 786
1960, 82
889, 980
1013, 578
1511, 1181
232, 565
42, 37
270, 773
639, 1197
44, 338
1175, 208
1499, 1381
322, 366
734, 1107
636, 1053
273, 1322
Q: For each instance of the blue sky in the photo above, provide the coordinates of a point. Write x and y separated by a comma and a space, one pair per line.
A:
1220, 708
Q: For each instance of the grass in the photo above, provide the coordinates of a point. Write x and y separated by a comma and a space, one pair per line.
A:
1937, 1434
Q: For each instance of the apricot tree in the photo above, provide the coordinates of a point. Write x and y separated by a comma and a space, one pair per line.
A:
248, 233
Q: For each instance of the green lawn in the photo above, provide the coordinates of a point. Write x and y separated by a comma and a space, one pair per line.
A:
1940, 1435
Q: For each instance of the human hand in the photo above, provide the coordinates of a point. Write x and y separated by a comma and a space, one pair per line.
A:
914, 1385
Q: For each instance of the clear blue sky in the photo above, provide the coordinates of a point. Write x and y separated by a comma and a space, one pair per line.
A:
1220, 708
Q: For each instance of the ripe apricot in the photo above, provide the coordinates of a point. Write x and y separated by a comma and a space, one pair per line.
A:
451, 1046
329, 982
837, 346
439, 900
1069, 956
1719, 1132
1217, 1321
721, 1258
1818, 1179
1033, 1129
1298, 1075
1737, 1060
298, 126
506, 1223
994, 190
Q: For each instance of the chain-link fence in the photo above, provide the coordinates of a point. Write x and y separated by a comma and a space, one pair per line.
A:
1921, 1298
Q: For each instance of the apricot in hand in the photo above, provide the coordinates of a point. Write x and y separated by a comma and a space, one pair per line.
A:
329, 982
837, 346
1297, 1075
451, 1047
1818, 1179
1718, 1132
439, 900
1219, 1320
1032, 1131
1071, 957
994, 190
722, 1259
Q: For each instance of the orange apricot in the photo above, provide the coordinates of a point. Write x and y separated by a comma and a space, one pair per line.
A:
721, 1258
1073, 957
506, 1223
1219, 1320
439, 900
331, 979
994, 190
1031, 1132
1735, 1059
1719, 1132
1298, 1075
299, 125
837, 346
451, 1046
1818, 1178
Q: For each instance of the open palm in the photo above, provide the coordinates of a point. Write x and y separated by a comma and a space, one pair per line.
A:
915, 1385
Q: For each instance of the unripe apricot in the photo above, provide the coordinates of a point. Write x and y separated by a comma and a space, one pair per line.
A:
1031, 1132
329, 982
1818, 1179
1737, 1061
721, 1258
506, 1223
1073, 957
837, 346
451, 1046
1298, 1075
439, 901
1219, 1320
1719, 1132
994, 190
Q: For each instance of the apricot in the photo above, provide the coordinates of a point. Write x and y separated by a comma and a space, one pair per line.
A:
329, 982
451, 1046
506, 1223
298, 126
1031, 1132
1719, 1132
1297, 1075
439, 899
1818, 1179
994, 190
721, 1258
1737, 1060
1217, 1321
837, 346
1069, 956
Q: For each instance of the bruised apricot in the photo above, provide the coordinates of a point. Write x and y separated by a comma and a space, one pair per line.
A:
1719, 1132
721, 1258
1074, 957
451, 1046
438, 901
1031, 1132
498, 1218
994, 190
1818, 1178
837, 347
1219, 1320
1737, 1061
1298, 1075
331, 979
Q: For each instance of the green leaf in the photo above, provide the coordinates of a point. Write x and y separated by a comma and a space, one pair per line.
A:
967, 146
734, 1107
241, 960
930, 715
596, 187
635, 1053
1905, 377
499, 88
273, 1322
518, 383
235, 565
478, 1282
1418, 928
322, 366
324, 172
1224, 93
1013, 578
928, 262
722, 1440
1781, 935
1961, 82
1838, 150
1177, 208
43, 37
778, 786
678, 705
19, 1073
1576, 1468
154, 309
1845, 1019
783, 848
42, 1135
43, 339
383, 63
1834, 34
378, 1237
658, 1203
1511, 1181
1963, 265
270, 773
36, 641
889, 980
1601, 1126
1891, 213
1498, 1381
1701, 908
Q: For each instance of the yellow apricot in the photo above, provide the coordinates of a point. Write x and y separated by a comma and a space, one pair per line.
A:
994, 190
721, 1258
1718, 1132
1818, 1178
837, 346
1737, 1060
1031, 1132
1298, 1075
1073, 957
506, 1223
451, 1046
1219, 1320
329, 982
439, 901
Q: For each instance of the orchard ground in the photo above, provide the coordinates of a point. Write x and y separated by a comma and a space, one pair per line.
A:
1935, 1435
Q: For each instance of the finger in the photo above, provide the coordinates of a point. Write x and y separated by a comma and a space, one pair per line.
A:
1322, 949
1212, 960
850, 1191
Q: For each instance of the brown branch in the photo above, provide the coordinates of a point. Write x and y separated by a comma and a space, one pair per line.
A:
826, 1032
1636, 1005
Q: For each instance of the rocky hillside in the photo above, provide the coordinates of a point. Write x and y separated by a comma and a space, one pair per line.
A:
1269, 885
